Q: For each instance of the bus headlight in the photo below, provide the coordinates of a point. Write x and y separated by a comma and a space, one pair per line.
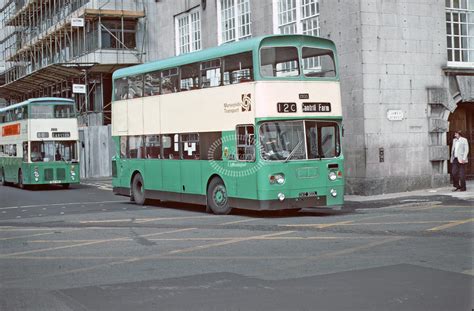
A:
277, 179
332, 176
281, 196
333, 192
36, 174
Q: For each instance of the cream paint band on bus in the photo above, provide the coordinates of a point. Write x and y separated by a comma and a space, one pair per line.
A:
255, 124
38, 143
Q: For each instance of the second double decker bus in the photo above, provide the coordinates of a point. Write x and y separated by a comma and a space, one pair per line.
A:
254, 124
38, 142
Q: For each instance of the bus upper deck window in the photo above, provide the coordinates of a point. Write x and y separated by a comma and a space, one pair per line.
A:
318, 62
211, 73
152, 83
279, 62
135, 86
121, 88
189, 77
169, 81
238, 68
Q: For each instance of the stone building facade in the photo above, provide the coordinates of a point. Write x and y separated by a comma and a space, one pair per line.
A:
407, 72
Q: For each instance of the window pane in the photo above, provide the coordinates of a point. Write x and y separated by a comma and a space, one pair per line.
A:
245, 143
169, 81
190, 77
123, 147
238, 68
190, 145
211, 73
135, 86
152, 83
282, 140
170, 145
279, 62
121, 88
136, 148
318, 63
152, 146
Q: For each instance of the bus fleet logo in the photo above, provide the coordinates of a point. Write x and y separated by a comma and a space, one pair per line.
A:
246, 102
245, 105
231, 166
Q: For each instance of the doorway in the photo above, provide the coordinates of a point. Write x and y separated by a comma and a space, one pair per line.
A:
463, 119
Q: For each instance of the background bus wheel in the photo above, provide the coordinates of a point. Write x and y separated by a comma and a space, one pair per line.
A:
2, 174
65, 186
138, 190
20, 180
217, 198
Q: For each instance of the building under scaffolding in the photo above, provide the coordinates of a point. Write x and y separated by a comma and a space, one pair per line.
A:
69, 48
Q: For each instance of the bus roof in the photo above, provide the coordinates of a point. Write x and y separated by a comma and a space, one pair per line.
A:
252, 44
38, 100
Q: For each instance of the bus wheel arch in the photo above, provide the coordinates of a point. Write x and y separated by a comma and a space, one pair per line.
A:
217, 198
137, 188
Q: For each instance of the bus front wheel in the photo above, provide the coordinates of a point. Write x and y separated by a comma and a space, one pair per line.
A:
138, 189
217, 197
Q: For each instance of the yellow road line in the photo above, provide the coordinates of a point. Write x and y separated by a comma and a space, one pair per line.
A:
452, 224
238, 221
173, 252
86, 243
320, 226
217, 239
62, 204
25, 236
141, 220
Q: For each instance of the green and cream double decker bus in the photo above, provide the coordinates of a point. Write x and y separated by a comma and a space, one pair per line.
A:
255, 124
38, 143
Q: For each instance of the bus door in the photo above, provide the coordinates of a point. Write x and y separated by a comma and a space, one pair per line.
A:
123, 166
190, 166
244, 164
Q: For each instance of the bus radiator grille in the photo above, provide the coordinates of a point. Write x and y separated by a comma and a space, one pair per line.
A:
48, 174
61, 174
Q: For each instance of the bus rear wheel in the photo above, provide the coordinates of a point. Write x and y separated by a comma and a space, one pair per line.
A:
65, 186
138, 189
217, 197
4, 181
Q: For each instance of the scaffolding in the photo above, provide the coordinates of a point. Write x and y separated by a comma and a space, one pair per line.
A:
66, 42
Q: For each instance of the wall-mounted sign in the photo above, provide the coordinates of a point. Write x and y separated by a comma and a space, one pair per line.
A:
79, 88
395, 115
77, 22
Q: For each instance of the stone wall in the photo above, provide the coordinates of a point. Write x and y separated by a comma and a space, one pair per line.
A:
391, 53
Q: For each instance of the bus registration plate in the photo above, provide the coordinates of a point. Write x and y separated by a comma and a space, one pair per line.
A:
316, 107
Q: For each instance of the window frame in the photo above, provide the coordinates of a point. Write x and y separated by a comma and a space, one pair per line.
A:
237, 145
238, 6
193, 32
455, 48
299, 18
